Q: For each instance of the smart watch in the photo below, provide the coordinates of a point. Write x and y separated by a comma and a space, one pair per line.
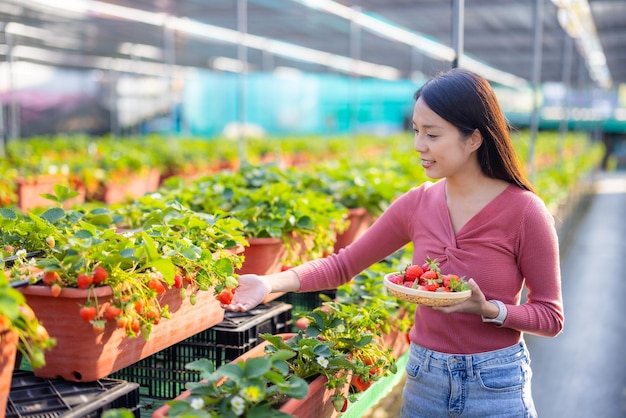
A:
498, 320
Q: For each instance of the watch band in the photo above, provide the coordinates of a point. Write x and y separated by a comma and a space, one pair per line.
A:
502, 312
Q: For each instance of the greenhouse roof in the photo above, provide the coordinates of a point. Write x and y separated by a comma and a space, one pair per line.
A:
386, 39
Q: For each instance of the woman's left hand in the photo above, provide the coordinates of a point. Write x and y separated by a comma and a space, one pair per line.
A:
476, 303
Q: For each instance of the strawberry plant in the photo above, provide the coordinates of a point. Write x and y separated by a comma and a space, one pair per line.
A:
168, 247
251, 388
354, 331
269, 203
17, 316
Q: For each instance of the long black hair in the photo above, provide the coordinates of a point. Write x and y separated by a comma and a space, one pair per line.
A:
467, 101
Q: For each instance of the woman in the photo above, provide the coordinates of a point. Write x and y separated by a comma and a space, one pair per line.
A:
481, 220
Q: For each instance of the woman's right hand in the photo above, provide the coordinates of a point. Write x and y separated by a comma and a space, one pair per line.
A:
251, 291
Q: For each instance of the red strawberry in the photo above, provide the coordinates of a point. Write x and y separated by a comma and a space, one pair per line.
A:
413, 273
99, 274
55, 289
178, 281
111, 312
135, 325
225, 297
396, 279
83, 281
88, 313
139, 305
432, 286
156, 285
429, 275
122, 322
51, 277
359, 384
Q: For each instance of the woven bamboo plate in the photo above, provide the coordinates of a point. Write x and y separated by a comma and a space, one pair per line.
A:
424, 297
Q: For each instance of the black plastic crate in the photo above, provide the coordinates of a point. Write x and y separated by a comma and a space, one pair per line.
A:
306, 301
163, 374
32, 396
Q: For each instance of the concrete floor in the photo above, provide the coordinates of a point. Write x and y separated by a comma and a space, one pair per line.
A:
582, 372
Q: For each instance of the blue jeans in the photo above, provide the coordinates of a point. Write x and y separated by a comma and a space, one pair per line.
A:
491, 384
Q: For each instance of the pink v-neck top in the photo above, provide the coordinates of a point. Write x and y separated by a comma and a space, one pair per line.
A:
510, 243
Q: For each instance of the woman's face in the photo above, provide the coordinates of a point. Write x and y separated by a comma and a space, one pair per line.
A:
444, 152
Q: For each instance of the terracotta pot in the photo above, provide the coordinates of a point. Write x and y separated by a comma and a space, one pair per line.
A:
29, 192
8, 349
82, 355
317, 404
360, 219
133, 187
263, 256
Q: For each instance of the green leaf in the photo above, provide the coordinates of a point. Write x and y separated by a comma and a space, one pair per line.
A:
231, 370
8, 213
203, 365
128, 252
165, 266
83, 234
297, 387
256, 367
282, 355
50, 197
101, 219
224, 267
152, 253
53, 214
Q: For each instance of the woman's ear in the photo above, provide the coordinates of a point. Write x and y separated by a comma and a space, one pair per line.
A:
475, 140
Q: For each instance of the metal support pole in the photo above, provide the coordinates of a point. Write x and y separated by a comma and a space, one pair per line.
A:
566, 75
169, 49
3, 133
242, 54
14, 108
458, 30
536, 84
355, 54
113, 118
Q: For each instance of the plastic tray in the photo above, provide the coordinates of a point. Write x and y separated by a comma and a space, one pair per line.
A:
31, 396
163, 375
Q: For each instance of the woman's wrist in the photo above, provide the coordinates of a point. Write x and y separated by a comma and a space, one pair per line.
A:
489, 310
285, 281
499, 318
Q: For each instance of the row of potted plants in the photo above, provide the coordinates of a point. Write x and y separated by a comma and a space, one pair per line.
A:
112, 170
345, 345
116, 169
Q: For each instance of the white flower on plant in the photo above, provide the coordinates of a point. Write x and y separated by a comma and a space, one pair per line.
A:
196, 403
21, 253
238, 405
322, 361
